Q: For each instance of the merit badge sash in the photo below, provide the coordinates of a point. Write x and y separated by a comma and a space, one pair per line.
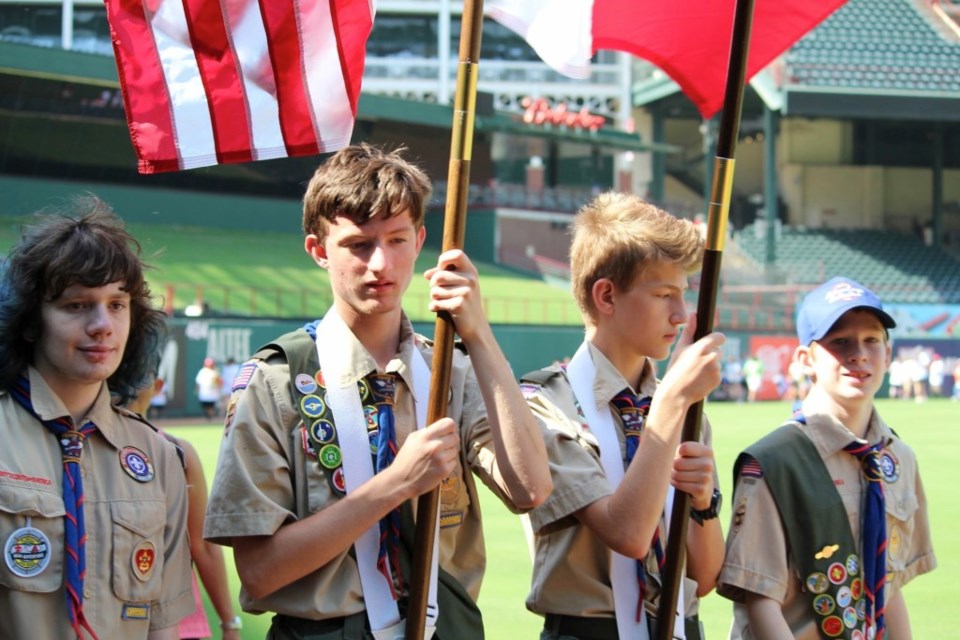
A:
581, 373
351, 424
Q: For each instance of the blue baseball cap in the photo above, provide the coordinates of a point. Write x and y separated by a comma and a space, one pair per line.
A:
823, 306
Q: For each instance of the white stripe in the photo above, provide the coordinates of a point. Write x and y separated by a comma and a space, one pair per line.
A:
325, 85
191, 114
249, 40
560, 31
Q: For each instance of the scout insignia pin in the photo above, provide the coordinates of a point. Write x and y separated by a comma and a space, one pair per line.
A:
144, 557
827, 552
136, 464
27, 552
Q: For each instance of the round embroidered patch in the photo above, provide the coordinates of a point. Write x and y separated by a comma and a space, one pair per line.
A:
312, 406
861, 608
853, 564
319, 378
364, 388
844, 596
832, 626
889, 467
322, 431
305, 384
144, 557
330, 456
338, 480
856, 588
849, 617
27, 552
817, 583
136, 464
856, 634
824, 604
837, 573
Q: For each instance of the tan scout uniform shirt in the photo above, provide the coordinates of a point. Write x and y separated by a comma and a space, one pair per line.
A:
121, 514
265, 480
571, 567
758, 561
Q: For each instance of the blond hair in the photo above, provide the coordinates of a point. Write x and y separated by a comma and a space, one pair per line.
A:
617, 235
360, 182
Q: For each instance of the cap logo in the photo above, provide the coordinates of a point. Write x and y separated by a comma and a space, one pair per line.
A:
843, 291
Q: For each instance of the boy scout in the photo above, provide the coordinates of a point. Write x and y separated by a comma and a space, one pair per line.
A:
597, 566
829, 517
93, 505
320, 530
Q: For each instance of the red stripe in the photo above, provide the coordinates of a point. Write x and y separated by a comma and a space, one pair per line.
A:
219, 72
352, 23
283, 42
145, 97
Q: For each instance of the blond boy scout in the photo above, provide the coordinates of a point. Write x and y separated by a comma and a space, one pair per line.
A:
809, 579
629, 267
75, 326
286, 494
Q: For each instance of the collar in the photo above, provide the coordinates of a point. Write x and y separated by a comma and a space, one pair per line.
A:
609, 381
338, 337
48, 405
830, 436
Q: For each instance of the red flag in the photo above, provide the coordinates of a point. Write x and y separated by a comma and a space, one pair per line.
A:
689, 40
211, 82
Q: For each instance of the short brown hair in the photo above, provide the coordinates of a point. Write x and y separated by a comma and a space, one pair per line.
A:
360, 182
617, 235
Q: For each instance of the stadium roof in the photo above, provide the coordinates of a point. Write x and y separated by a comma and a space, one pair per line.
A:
870, 59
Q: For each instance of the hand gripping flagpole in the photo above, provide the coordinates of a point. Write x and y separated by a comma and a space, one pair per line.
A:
454, 224
718, 213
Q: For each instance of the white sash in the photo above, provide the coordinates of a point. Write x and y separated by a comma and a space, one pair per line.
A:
351, 425
581, 372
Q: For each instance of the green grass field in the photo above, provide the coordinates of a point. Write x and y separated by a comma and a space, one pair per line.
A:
932, 429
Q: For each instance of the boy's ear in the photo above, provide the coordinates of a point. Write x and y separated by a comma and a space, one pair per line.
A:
602, 294
315, 249
803, 355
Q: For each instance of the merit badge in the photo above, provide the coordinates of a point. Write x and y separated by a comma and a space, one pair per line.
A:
144, 557
823, 604
364, 388
370, 414
857, 635
889, 467
817, 583
856, 588
827, 552
305, 384
338, 481
850, 617
136, 464
318, 376
312, 406
330, 456
27, 552
374, 436
837, 573
861, 607
832, 626
844, 596
323, 431
853, 564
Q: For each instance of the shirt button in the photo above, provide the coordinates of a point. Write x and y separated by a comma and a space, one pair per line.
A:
87, 594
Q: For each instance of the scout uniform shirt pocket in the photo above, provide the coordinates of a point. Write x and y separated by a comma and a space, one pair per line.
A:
31, 535
138, 549
901, 504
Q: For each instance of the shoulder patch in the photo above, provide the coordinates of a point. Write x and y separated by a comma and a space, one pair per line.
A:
243, 376
750, 468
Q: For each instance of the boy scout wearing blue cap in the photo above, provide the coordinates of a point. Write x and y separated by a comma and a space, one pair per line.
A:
829, 515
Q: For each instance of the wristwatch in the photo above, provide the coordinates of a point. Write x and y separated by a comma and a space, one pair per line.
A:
235, 624
702, 515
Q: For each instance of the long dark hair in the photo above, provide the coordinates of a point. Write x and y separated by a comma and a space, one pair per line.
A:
86, 244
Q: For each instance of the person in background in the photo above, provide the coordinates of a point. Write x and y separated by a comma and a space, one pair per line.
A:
206, 556
227, 375
93, 502
208, 385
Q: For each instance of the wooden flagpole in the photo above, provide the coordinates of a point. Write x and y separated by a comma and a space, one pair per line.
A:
454, 224
718, 212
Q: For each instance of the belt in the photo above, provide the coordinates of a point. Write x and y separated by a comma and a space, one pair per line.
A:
584, 628
293, 628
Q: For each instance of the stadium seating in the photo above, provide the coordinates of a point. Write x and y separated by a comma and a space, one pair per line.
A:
899, 267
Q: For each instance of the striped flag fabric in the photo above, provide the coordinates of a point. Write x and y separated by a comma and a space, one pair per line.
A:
224, 81
689, 40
